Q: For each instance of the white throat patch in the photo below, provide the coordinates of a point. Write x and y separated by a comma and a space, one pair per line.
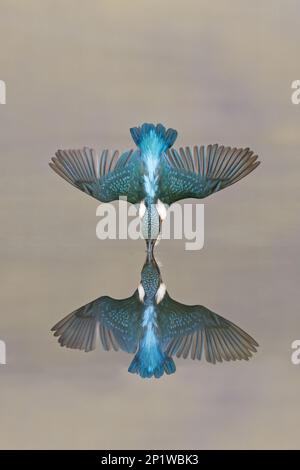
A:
161, 291
141, 292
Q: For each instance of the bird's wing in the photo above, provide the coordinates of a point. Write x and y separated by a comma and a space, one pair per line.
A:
201, 171
196, 331
105, 177
117, 322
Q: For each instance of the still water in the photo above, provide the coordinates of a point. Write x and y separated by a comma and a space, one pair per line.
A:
219, 73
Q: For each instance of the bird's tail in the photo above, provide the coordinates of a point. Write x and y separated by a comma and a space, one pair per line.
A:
151, 363
155, 139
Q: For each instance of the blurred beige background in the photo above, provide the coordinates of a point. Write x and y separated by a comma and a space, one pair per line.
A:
81, 73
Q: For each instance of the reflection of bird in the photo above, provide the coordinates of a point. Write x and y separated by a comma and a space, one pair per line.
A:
154, 173
154, 327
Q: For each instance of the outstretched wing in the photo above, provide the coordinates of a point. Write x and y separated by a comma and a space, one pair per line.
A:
105, 177
201, 171
117, 322
196, 331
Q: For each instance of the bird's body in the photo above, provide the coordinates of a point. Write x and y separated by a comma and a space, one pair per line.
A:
154, 174
151, 359
155, 328
150, 324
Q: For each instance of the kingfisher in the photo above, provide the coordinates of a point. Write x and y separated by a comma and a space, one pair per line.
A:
154, 174
155, 328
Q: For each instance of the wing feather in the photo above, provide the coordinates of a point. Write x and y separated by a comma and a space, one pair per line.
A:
115, 322
106, 176
195, 331
201, 171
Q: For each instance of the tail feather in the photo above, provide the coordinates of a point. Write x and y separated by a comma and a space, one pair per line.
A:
150, 365
154, 138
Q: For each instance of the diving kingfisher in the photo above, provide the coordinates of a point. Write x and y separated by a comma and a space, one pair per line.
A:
155, 328
154, 174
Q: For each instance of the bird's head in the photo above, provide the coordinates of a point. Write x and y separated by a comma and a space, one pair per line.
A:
150, 279
152, 215
151, 288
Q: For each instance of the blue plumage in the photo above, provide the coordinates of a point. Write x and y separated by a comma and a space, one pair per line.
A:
150, 360
153, 139
154, 172
155, 328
